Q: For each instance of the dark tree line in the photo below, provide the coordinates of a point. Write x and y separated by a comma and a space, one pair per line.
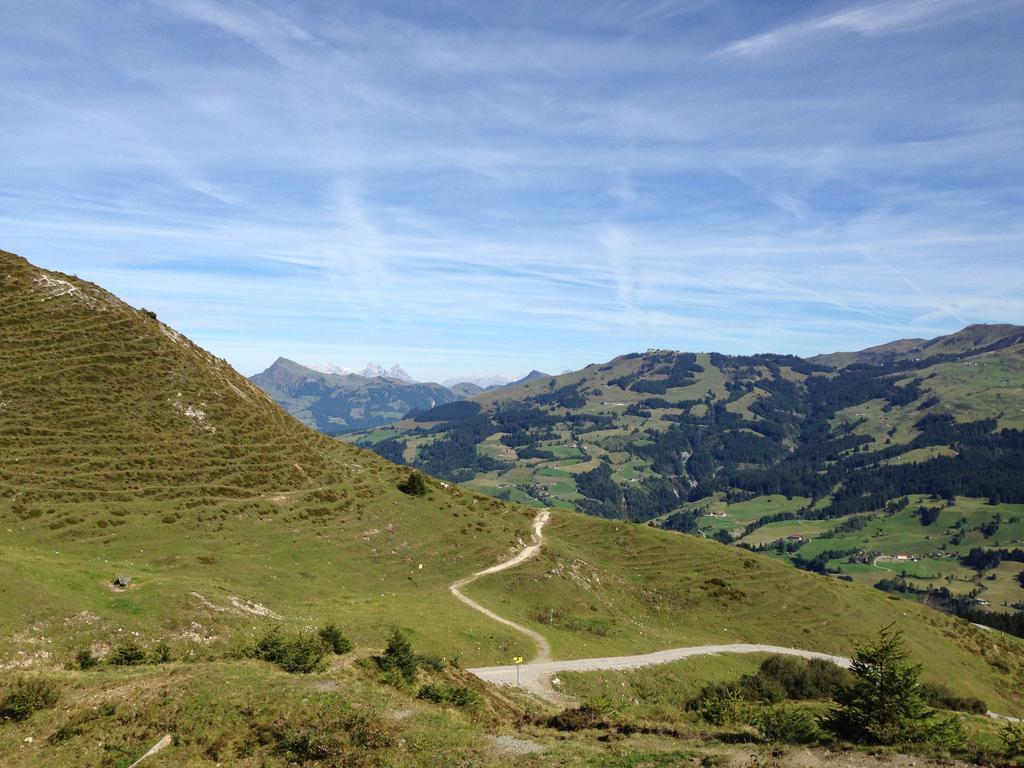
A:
964, 607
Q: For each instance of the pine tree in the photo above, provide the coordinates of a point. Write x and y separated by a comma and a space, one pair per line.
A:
884, 705
414, 485
399, 656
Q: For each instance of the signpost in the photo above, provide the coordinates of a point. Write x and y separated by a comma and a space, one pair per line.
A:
517, 660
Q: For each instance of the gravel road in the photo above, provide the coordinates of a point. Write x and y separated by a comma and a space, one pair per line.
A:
536, 676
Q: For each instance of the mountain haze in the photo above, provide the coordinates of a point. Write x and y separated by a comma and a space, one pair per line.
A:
336, 403
370, 371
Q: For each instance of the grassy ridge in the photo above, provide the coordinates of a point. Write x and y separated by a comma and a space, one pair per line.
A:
126, 449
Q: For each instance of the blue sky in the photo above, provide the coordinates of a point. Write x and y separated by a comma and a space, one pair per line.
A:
493, 187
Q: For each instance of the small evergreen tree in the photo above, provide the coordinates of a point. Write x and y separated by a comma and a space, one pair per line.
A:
398, 656
85, 660
292, 653
414, 485
127, 654
161, 654
332, 638
884, 705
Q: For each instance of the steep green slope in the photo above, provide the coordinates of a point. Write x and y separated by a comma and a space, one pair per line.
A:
336, 404
126, 449
100, 401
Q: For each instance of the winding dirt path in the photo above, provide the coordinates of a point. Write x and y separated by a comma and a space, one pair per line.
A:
536, 676
543, 646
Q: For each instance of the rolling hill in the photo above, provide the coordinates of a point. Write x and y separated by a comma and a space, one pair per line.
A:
127, 451
972, 340
728, 446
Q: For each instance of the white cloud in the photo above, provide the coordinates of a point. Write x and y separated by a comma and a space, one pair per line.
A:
868, 20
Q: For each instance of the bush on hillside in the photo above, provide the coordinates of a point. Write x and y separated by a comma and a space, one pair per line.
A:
461, 696
941, 697
127, 654
778, 678
884, 705
787, 725
799, 679
333, 639
350, 739
578, 719
430, 662
724, 705
1013, 743
27, 695
161, 654
85, 660
293, 653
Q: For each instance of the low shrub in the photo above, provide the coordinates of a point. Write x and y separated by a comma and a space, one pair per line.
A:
161, 654
787, 725
461, 696
939, 696
578, 719
350, 739
724, 705
1013, 743
127, 654
464, 697
438, 694
26, 695
798, 679
293, 653
85, 660
433, 663
779, 678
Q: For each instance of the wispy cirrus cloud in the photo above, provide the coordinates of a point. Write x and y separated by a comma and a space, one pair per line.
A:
869, 20
544, 188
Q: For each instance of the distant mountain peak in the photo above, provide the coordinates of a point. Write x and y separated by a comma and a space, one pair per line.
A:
372, 370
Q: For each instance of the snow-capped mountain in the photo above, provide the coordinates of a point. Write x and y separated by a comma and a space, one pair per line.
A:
482, 381
371, 370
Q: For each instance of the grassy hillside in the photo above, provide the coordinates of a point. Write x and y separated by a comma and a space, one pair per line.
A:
631, 437
127, 451
971, 339
603, 588
725, 446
